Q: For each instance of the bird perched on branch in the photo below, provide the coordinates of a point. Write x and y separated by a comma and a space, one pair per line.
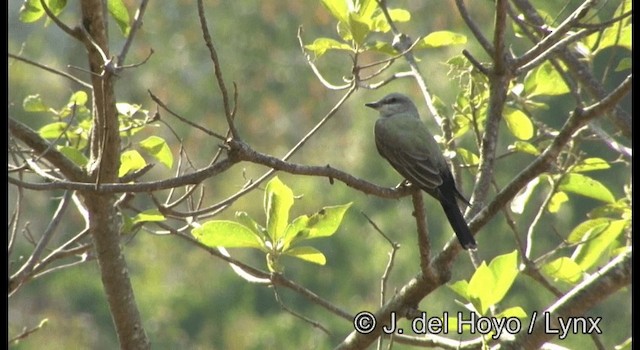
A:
406, 143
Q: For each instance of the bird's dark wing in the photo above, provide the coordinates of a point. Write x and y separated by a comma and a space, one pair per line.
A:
417, 164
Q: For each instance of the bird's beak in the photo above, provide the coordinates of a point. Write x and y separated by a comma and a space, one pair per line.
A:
374, 105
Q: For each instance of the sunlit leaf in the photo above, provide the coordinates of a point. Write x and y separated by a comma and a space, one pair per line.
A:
31, 10
228, 234
278, 199
505, 270
442, 38
556, 201
515, 311
52, 131
564, 269
590, 164
585, 228
157, 147
586, 186
380, 23
518, 123
307, 253
524, 147
74, 154
359, 28
246, 220
338, 8
544, 80
33, 103
468, 158
623, 65
151, 215
481, 287
590, 252
321, 224
461, 288
120, 14
130, 161
321, 45
79, 98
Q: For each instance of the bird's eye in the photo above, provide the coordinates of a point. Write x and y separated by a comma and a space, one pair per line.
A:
393, 100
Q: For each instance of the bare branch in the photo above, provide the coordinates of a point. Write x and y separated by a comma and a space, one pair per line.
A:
217, 70
137, 23
51, 70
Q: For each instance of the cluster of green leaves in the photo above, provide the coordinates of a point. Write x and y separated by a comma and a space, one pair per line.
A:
528, 96
32, 11
72, 124
70, 132
488, 286
358, 19
279, 237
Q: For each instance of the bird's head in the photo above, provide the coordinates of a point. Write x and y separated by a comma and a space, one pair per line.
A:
392, 104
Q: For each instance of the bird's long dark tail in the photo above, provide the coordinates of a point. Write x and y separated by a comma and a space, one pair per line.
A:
458, 223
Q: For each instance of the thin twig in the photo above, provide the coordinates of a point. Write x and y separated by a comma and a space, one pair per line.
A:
52, 70
217, 70
137, 23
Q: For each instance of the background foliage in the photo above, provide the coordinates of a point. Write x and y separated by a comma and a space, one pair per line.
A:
190, 299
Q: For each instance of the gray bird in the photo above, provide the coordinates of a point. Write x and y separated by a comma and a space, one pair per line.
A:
404, 141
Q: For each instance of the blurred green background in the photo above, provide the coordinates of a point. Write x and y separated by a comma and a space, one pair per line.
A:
191, 300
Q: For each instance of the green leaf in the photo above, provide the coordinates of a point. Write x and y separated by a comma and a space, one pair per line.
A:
120, 14
31, 10
589, 253
79, 98
461, 287
515, 311
489, 284
321, 45
130, 161
325, 222
337, 8
481, 288
623, 65
321, 224
469, 158
157, 147
518, 123
619, 209
366, 8
151, 215
614, 36
585, 186
505, 270
544, 80
380, 23
590, 164
442, 38
278, 199
359, 28
307, 253
52, 131
563, 269
74, 154
33, 103
524, 147
585, 228
383, 47
556, 201
228, 234
246, 220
